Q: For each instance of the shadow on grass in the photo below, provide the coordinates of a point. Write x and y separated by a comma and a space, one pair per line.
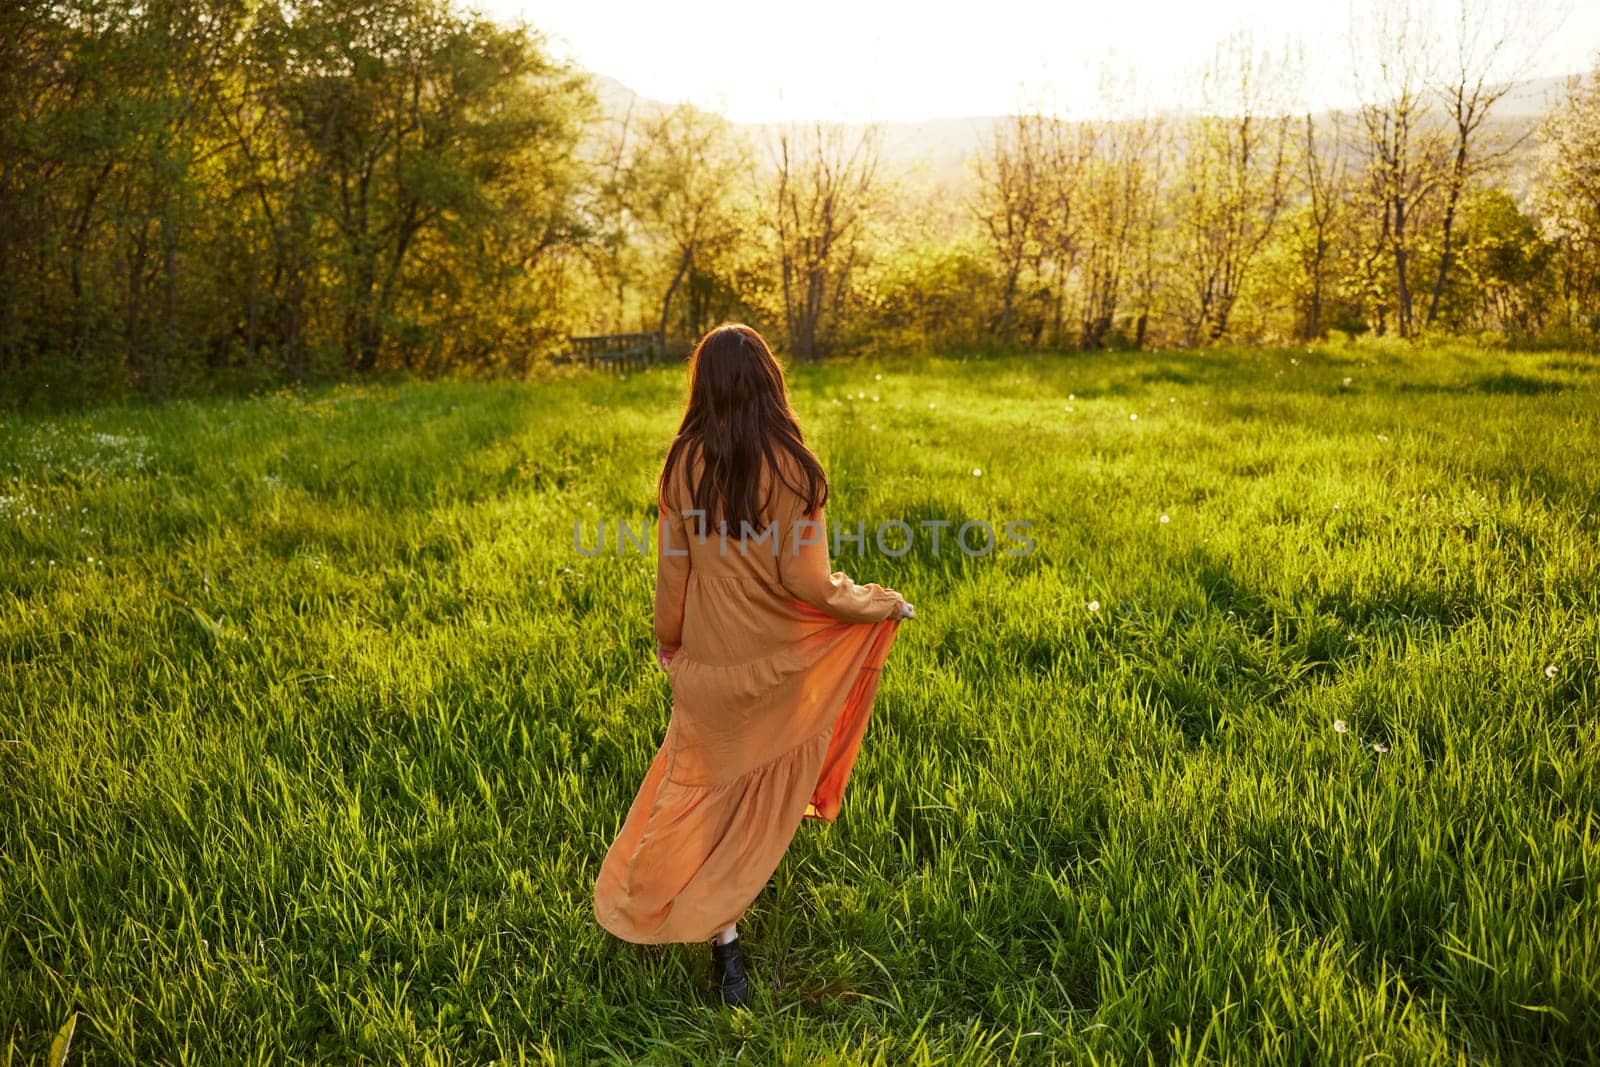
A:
1505, 383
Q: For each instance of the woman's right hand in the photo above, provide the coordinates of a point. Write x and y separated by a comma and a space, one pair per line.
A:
904, 611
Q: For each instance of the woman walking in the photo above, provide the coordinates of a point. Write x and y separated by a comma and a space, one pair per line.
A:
772, 656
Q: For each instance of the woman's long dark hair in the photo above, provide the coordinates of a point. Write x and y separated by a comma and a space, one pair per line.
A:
739, 419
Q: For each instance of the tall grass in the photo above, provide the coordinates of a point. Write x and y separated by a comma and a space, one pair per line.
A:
314, 725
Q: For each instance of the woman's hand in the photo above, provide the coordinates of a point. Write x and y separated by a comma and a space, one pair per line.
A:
904, 611
664, 655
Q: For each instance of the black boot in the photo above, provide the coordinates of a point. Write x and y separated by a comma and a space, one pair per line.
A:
728, 970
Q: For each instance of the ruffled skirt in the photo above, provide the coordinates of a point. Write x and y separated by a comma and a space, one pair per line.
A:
751, 750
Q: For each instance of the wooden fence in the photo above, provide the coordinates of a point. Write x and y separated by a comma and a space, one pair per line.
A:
613, 352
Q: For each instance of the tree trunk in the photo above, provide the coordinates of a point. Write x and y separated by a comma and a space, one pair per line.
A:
666, 301
1447, 250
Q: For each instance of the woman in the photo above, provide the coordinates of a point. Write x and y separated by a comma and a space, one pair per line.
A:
773, 660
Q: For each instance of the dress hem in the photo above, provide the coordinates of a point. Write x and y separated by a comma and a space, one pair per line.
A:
839, 741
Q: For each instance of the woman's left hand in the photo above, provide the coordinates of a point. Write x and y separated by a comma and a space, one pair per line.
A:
664, 656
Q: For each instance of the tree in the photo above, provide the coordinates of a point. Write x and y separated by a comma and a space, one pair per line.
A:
204, 188
409, 114
817, 211
1012, 200
1120, 194
1323, 186
1482, 41
1233, 182
1392, 61
1568, 194
1505, 261
684, 181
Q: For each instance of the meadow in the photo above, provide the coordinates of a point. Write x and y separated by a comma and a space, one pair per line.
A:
1280, 747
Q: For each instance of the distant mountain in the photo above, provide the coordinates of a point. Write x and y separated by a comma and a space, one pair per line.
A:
939, 148
617, 99
1532, 99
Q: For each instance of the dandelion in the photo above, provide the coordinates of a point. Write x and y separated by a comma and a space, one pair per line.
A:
1348, 379
874, 398
1294, 362
1165, 520
1072, 396
1379, 746
1094, 605
877, 377
1069, 407
931, 405
1551, 671
1340, 727
1172, 400
1383, 437
874, 426
977, 472
862, 396
1133, 415
16, 507
1336, 507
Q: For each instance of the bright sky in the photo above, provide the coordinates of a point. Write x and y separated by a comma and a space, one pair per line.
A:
756, 60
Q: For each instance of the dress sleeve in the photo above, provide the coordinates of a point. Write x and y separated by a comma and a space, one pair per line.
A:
672, 575
804, 570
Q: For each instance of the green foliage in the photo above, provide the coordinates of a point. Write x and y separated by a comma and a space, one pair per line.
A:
929, 295
284, 189
1568, 196
230, 194
314, 727
1506, 284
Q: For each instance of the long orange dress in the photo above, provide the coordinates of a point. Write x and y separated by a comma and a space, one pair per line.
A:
773, 680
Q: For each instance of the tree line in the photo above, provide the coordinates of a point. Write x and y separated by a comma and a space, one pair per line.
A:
237, 191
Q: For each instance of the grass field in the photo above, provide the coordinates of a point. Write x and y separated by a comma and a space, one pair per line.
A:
314, 726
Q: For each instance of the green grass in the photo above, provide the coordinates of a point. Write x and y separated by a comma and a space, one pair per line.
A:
314, 727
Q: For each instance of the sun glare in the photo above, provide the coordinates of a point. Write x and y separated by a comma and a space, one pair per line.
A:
904, 60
